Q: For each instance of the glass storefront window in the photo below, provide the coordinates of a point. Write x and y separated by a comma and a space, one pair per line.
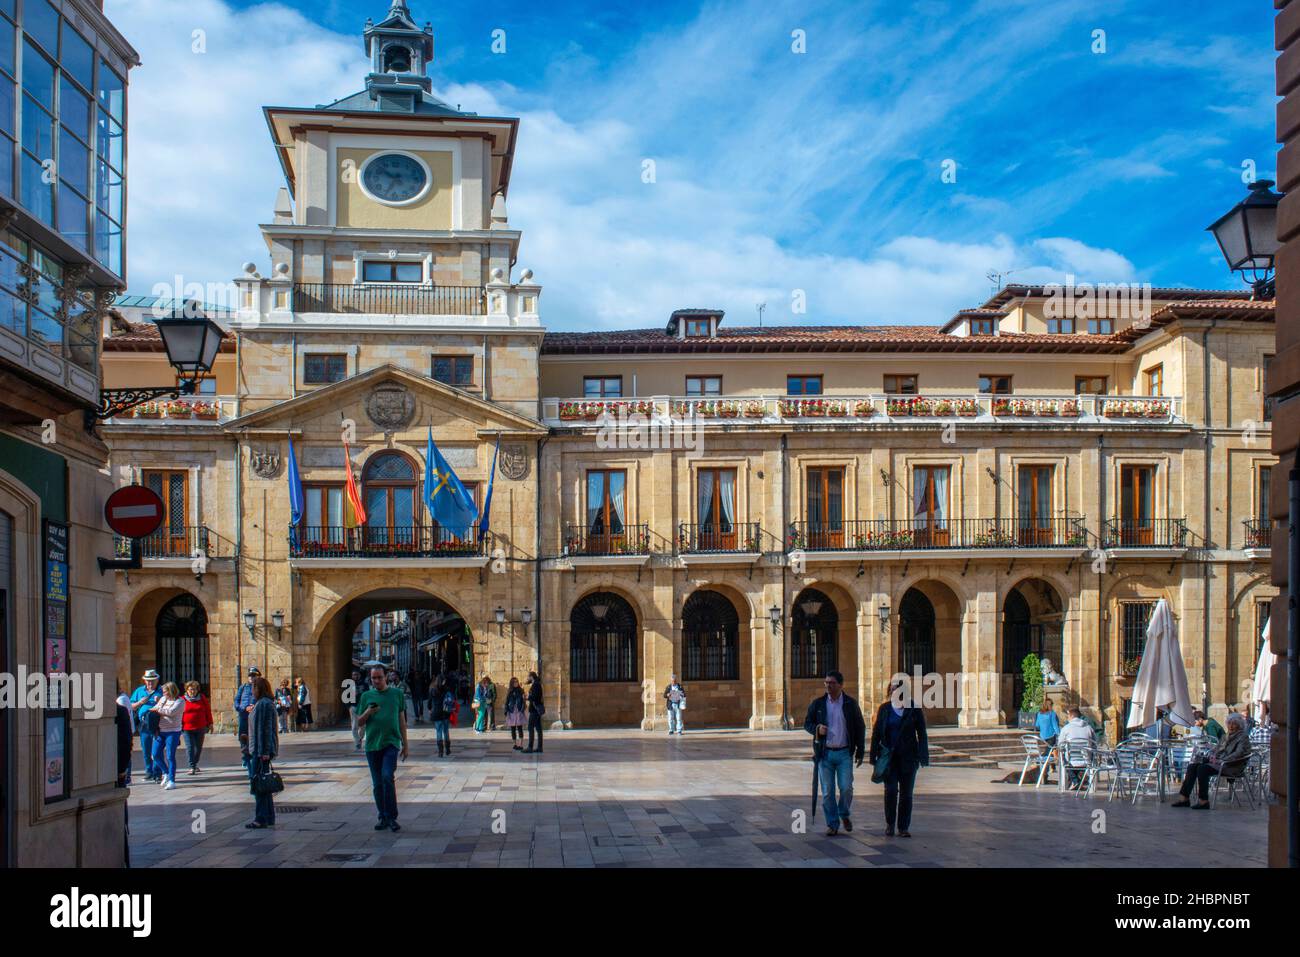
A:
112, 92
7, 106
109, 144
74, 109
40, 20
74, 162
72, 218
38, 130
37, 195
38, 75
7, 34
77, 56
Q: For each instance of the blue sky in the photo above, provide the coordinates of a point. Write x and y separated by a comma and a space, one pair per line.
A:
777, 173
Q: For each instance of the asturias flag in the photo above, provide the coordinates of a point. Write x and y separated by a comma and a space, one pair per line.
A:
448, 501
295, 489
485, 521
354, 496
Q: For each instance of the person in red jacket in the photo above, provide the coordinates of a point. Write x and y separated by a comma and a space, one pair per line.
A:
195, 722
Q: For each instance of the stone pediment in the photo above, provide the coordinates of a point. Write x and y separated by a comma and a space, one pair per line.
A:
387, 400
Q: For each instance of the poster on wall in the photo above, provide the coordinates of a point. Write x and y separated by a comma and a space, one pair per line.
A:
56, 608
56, 755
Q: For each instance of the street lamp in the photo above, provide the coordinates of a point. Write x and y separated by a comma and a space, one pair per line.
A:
810, 608
250, 622
1247, 236
884, 618
277, 619
191, 340
526, 616
599, 611
501, 615
774, 616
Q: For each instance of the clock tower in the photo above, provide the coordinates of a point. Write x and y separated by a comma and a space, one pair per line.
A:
399, 53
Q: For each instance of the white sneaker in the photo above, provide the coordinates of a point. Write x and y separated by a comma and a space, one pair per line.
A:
169, 786
162, 782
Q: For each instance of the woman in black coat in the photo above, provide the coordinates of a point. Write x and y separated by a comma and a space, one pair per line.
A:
900, 728
536, 708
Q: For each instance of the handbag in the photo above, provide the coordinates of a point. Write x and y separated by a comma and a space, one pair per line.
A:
266, 782
881, 767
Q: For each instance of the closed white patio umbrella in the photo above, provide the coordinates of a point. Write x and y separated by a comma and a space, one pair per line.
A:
1161, 680
1261, 690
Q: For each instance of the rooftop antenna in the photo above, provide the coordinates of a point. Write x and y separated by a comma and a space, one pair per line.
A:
760, 307
997, 278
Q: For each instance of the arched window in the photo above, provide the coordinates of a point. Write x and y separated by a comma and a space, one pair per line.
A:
181, 633
916, 633
814, 635
602, 639
391, 492
711, 638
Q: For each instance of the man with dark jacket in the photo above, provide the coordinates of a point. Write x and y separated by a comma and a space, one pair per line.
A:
840, 735
536, 708
900, 727
244, 700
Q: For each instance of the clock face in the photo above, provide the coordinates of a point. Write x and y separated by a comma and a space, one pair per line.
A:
394, 178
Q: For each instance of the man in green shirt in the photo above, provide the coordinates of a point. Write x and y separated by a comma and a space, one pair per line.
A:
381, 714
1212, 728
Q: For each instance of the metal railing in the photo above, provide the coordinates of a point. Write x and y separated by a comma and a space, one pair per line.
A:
1145, 533
177, 541
384, 541
624, 540
719, 538
389, 299
865, 535
1259, 533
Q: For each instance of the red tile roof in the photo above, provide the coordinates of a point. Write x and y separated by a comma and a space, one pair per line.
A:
144, 337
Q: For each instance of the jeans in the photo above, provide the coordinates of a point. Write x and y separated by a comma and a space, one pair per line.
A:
836, 770
1198, 776
898, 795
284, 722
492, 717
356, 729
442, 730
675, 722
164, 753
194, 746
146, 747
383, 767
534, 724
263, 804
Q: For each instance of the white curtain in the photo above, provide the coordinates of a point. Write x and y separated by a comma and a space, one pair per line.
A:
920, 496
727, 493
617, 480
705, 500
595, 497
940, 498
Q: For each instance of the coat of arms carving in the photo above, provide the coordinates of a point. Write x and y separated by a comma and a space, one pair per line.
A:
514, 462
264, 464
390, 407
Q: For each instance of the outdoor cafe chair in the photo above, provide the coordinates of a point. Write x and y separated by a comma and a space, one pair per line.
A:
1077, 757
1237, 783
1034, 757
1134, 767
1101, 761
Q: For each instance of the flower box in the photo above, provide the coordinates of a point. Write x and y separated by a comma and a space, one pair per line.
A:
754, 410
864, 409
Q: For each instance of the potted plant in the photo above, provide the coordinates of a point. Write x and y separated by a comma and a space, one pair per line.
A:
1031, 670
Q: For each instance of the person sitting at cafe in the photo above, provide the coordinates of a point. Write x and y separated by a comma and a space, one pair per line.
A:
1209, 727
1229, 759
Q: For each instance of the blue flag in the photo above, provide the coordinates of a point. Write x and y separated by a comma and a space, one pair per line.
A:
484, 525
446, 497
295, 496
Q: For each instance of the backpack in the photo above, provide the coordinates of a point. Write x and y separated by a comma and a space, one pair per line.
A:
449, 702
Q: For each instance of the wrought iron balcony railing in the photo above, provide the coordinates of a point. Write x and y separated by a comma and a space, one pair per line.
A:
865, 535
389, 299
1145, 533
622, 540
722, 538
180, 541
1259, 533
384, 541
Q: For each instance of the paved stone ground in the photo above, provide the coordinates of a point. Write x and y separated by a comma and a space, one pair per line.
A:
633, 799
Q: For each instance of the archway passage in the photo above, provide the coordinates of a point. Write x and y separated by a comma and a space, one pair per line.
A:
929, 643
181, 642
603, 663
715, 660
823, 637
1032, 623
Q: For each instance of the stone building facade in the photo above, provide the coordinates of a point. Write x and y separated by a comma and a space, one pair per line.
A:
743, 507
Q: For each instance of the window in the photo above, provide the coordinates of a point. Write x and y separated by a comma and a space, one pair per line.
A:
815, 627
390, 494
319, 368
1101, 326
983, 327
323, 520
696, 328
900, 384
803, 385
1090, 384
110, 148
206, 384
602, 387
1034, 504
1137, 504
1134, 616
602, 640
704, 385
1264, 495
715, 509
385, 271
1062, 326
710, 638
930, 505
454, 370
995, 384
172, 486
825, 503
606, 516
1268, 400
1153, 380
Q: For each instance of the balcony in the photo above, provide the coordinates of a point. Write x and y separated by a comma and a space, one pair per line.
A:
874, 410
1145, 533
389, 299
743, 538
1259, 535
187, 409
628, 540
403, 543
178, 543
871, 535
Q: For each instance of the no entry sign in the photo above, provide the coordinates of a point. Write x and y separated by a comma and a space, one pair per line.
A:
134, 511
